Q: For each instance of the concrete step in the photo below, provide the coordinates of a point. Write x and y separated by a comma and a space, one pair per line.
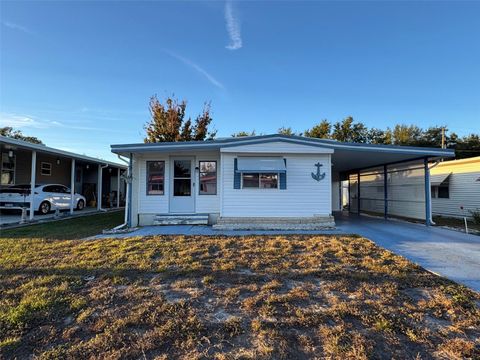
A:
181, 219
312, 223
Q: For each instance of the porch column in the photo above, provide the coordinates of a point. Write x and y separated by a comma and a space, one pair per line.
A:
385, 191
118, 188
349, 207
427, 192
358, 192
32, 182
99, 187
72, 187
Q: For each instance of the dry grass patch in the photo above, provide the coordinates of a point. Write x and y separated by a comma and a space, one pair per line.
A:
335, 297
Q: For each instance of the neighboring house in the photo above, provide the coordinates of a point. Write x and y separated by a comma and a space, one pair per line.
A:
24, 163
267, 181
456, 184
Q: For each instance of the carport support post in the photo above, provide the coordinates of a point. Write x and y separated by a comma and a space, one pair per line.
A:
385, 190
32, 182
118, 188
72, 186
358, 192
99, 187
427, 192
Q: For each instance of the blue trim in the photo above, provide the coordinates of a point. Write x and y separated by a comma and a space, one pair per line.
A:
236, 175
358, 192
248, 140
427, 192
130, 187
283, 177
385, 191
261, 171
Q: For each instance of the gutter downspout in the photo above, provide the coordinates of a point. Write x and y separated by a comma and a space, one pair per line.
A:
100, 199
429, 168
126, 221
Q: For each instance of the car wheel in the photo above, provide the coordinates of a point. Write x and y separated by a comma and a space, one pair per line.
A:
80, 205
44, 208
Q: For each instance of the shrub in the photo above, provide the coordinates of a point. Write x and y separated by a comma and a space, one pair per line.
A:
476, 216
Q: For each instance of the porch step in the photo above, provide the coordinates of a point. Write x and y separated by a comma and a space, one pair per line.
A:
259, 223
181, 219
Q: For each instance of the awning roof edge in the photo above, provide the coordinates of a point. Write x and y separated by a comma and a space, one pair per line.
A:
254, 164
437, 179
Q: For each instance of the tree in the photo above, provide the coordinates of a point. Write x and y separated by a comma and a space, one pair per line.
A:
8, 131
322, 130
349, 131
286, 131
244, 133
168, 122
406, 135
465, 147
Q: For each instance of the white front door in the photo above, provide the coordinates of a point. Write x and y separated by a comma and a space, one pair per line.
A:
182, 185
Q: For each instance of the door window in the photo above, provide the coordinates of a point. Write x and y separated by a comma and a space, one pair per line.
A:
182, 178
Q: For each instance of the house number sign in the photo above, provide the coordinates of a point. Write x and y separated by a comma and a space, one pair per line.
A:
318, 176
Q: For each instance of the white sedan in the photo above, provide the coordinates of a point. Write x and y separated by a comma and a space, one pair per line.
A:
46, 198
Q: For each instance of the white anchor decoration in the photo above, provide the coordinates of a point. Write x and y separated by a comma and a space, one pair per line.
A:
318, 176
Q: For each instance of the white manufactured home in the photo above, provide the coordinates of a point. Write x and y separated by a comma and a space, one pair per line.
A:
273, 181
455, 187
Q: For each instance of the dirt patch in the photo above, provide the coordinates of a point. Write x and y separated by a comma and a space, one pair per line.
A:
301, 297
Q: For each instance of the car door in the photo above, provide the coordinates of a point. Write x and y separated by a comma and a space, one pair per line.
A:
66, 196
54, 194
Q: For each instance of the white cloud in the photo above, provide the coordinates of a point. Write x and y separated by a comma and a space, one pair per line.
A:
233, 27
14, 26
30, 122
196, 67
25, 121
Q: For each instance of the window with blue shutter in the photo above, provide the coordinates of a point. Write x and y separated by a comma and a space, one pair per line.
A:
283, 178
236, 175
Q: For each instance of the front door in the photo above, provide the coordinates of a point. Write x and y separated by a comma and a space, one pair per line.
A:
181, 196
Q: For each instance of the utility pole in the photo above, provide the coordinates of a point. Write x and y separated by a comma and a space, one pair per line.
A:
443, 137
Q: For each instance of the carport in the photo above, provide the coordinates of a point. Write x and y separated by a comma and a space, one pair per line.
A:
387, 181
100, 181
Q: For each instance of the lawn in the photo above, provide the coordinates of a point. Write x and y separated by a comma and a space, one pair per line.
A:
335, 297
76, 228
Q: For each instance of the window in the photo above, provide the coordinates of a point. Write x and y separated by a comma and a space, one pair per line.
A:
8, 168
182, 178
260, 180
45, 169
155, 177
443, 192
440, 192
208, 177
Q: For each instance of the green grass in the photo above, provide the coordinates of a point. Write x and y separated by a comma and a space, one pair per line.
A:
76, 228
253, 297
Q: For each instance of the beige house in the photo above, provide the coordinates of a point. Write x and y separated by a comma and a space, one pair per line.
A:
455, 185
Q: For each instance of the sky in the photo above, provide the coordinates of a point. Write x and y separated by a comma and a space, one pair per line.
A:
79, 75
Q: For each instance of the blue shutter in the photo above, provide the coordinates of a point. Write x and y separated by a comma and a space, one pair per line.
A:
236, 175
283, 178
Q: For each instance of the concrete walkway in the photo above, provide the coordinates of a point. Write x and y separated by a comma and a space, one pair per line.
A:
449, 253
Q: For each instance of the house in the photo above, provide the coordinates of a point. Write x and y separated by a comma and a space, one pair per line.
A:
274, 181
455, 187
27, 163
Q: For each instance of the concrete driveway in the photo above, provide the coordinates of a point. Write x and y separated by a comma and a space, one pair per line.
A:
449, 253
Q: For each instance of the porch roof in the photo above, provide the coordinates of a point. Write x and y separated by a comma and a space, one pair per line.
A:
346, 156
13, 144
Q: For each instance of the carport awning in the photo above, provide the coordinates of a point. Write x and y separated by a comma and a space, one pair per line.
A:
437, 179
261, 164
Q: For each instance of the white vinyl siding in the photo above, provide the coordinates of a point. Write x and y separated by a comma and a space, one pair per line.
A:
303, 197
464, 189
159, 204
